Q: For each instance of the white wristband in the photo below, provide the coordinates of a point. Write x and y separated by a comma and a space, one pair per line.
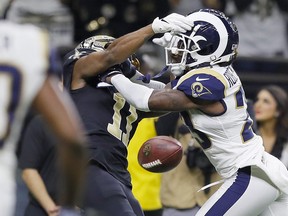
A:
135, 94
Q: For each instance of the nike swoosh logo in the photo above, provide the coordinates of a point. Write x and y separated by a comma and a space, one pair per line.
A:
198, 79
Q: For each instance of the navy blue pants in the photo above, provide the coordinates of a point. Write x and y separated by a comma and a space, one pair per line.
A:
106, 196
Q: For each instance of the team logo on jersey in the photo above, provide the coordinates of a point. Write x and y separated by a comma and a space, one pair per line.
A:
198, 89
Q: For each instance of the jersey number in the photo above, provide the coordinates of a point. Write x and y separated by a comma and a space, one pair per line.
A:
115, 127
247, 132
10, 88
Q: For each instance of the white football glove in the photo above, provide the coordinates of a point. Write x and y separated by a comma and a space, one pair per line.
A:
173, 22
164, 40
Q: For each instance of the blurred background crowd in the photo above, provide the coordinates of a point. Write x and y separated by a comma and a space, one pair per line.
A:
262, 25
262, 66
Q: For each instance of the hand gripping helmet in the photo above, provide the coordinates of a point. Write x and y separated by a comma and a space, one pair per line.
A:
97, 43
213, 40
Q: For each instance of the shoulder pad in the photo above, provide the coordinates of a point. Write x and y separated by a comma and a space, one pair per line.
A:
204, 83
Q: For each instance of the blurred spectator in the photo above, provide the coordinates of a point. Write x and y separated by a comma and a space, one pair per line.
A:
185, 6
215, 4
38, 163
179, 187
109, 17
146, 185
272, 120
261, 25
51, 15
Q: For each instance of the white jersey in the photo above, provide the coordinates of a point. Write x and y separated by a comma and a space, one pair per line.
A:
227, 139
23, 69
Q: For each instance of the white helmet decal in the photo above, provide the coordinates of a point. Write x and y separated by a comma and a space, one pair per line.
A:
218, 24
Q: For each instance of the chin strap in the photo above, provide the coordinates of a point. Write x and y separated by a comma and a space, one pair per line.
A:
223, 59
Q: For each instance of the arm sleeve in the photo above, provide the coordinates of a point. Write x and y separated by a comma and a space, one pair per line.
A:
135, 94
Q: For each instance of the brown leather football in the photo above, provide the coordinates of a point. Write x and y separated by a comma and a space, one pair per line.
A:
160, 154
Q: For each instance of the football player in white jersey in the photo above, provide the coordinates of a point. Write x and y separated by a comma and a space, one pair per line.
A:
24, 81
209, 94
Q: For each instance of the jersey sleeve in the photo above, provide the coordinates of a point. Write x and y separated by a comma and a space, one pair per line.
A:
202, 84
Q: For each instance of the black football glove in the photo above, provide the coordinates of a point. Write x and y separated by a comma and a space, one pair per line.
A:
116, 69
128, 69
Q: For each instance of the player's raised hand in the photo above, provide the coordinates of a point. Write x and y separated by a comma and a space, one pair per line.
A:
164, 40
172, 23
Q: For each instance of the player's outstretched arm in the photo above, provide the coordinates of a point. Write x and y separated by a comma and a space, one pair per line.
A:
147, 99
61, 115
121, 48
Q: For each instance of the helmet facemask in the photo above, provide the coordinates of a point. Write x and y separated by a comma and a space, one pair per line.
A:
213, 40
180, 49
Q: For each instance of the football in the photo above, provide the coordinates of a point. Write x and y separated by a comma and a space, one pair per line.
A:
160, 154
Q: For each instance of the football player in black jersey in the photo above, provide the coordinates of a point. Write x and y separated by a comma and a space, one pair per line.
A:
26, 81
109, 120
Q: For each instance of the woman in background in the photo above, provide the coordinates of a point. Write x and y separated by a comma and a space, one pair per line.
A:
271, 116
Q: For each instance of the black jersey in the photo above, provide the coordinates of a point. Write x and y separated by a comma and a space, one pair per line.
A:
110, 121
39, 152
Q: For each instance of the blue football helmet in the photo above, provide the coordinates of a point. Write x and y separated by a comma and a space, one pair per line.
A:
213, 40
97, 43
